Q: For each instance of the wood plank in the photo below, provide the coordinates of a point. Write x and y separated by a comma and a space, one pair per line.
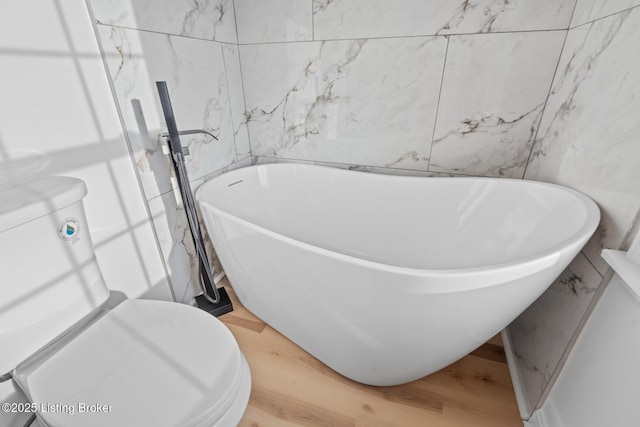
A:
491, 352
252, 325
292, 388
289, 408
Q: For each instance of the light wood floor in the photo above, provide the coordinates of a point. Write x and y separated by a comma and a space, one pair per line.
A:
292, 388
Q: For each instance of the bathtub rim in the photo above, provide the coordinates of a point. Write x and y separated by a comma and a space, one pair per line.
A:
448, 279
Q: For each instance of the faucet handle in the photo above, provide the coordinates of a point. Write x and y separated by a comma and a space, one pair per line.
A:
166, 150
185, 150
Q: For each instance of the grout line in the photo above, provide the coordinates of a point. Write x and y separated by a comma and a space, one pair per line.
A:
403, 36
544, 107
324, 162
435, 121
244, 101
591, 263
313, 23
244, 94
233, 125
124, 27
235, 21
601, 18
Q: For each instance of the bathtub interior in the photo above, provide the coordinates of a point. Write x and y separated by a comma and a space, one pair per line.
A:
434, 223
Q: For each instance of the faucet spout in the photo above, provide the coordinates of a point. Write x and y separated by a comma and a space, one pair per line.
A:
190, 132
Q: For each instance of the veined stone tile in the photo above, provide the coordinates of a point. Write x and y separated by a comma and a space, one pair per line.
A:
377, 18
205, 19
236, 99
541, 334
589, 132
493, 93
590, 10
195, 74
367, 102
264, 21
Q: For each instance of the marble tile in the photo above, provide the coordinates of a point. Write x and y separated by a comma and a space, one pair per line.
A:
588, 137
264, 21
378, 18
176, 241
487, 16
236, 98
367, 102
176, 244
195, 74
590, 10
540, 335
206, 19
493, 93
177, 247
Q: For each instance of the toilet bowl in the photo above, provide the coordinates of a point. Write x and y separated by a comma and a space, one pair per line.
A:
140, 362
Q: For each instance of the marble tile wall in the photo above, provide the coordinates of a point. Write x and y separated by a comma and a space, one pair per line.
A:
342, 19
310, 102
540, 337
207, 19
449, 87
581, 142
191, 46
493, 94
587, 140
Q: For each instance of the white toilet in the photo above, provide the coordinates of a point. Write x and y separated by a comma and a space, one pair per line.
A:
140, 363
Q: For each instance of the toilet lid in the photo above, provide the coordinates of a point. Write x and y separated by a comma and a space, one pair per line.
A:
143, 363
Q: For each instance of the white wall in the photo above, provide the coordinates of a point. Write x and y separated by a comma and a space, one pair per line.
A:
58, 117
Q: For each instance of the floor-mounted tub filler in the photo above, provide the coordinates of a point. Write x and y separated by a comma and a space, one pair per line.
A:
383, 278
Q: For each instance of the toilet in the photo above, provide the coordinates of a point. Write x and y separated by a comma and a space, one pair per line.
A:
82, 356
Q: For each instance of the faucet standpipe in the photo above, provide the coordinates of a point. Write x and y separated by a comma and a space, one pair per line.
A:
219, 304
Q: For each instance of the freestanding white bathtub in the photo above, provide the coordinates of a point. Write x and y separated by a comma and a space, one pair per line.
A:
383, 278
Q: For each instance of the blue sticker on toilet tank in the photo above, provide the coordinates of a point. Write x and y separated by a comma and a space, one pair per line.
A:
68, 230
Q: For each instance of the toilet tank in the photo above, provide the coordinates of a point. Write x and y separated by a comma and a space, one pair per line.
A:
49, 275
